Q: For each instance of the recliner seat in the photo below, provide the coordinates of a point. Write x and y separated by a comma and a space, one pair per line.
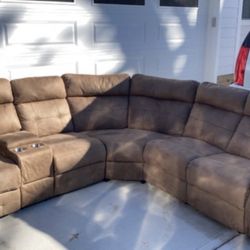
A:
59, 134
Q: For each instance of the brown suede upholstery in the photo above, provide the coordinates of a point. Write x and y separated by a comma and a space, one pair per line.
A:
79, 178
36, 191
167, 161
77, 157
125, 151
240, 143
216, 208
12, 140
98, 102
10, 177
37, 89
10, 202
188, 139
41, 105
225, 177
216, 114
9, 121
10, 182
35, 163
72, 152
160, 105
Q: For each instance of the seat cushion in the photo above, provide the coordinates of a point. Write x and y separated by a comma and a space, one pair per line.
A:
74, 150
224, 176
125, 145
172, 155
10, 177
125, 152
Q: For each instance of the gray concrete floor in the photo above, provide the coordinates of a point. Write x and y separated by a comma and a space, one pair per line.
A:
115, 216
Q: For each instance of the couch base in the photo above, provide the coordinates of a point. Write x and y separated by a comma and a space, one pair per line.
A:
172, 185
37, 191
127, 171
216, 209
79, 178
10, 202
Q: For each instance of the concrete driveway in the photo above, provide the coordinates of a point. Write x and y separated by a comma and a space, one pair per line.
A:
115, 216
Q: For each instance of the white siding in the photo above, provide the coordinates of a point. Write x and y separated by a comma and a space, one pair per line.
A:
245, 28
228, 38
50, 38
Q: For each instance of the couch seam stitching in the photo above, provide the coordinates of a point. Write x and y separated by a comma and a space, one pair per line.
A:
106, 149
231, 137
211, 123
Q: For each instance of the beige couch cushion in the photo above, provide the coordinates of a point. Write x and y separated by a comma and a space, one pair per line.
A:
216, 114
224, 176
173, 154
73, 150
41, 105
125, 148
36, 89
125, 145
98, 102
160, 105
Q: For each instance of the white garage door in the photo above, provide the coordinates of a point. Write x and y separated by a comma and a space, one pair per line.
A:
44, 38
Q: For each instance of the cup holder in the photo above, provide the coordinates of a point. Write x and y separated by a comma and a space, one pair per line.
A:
19, 149
37, 145
22, 149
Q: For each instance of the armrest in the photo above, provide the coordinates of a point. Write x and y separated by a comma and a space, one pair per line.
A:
33, 157
17, 139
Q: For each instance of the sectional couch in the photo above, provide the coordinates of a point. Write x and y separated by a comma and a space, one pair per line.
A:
192, 140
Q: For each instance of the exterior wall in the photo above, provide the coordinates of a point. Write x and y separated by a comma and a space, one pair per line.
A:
245, 28
55, 38
230, 18
212, 41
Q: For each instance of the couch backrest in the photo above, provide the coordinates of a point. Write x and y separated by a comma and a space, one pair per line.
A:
9, 121
216, 113
161, 105
98, 102
41, 105
240, 143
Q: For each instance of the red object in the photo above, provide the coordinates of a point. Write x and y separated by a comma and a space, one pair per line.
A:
241, 66
241, 61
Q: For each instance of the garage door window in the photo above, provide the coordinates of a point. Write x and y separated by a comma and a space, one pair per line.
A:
179, 3
128, 2
246, 9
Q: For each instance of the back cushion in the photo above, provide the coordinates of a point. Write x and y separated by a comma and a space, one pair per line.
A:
41, 105
240, 143
161, 105
98, 102
216, 113
9, 121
